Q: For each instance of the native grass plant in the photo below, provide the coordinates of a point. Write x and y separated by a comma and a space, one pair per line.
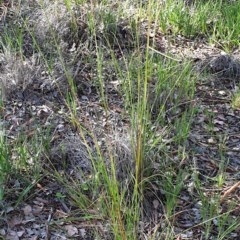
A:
26, 161
114, 174
226, 223
213, 217
151, 90
188, 20
172, 185
236, 100
5, 165
167, 96
96, 191
137, 87
21, 160
13, 37
217, 20
103, 187
104, 178
226, 29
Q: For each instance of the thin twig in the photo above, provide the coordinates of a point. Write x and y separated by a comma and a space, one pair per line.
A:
229, 191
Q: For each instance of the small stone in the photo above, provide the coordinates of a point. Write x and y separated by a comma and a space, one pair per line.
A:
211, 140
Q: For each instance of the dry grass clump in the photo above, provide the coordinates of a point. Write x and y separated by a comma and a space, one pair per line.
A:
43, 49
123, 155
17, 73
50, 25
225, 66
71, 157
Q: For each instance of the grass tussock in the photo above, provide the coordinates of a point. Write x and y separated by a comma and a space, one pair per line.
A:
102, 116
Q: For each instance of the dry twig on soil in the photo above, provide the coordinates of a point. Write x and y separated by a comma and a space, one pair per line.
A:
229, 191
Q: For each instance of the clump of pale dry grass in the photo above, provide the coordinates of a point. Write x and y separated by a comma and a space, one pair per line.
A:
16, 72
71, 156
123, 155
50, 24
49, 33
